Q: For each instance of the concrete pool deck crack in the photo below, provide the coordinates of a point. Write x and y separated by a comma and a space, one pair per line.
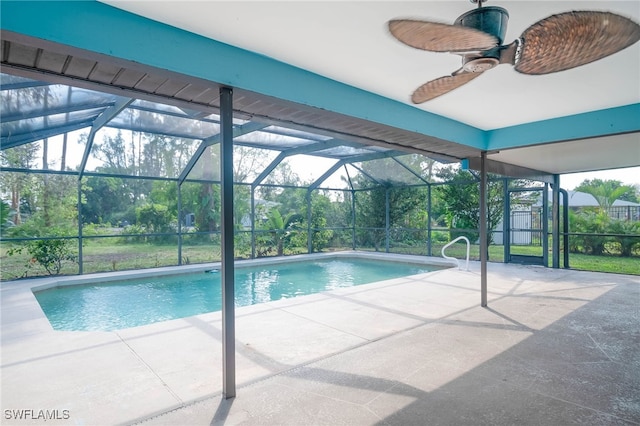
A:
165, 384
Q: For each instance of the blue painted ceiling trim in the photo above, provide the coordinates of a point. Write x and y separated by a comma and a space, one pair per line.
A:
624, 119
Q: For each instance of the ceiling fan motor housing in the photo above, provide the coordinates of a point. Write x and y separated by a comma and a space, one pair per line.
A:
491, 19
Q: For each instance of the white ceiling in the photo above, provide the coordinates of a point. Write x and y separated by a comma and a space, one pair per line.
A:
571, 156
348, 41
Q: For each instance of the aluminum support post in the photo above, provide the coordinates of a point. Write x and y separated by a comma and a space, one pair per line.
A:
353, 219
506, 221
429, 250
484, 246
386, 220
545, 225
228, 291
309, 235
565, 226
180, 217
253, 222
555, 223
80, 262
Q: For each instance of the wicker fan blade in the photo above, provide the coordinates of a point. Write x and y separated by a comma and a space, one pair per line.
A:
571, 39
442, 85
436, 37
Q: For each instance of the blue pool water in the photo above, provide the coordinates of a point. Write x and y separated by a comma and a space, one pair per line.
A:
130, 303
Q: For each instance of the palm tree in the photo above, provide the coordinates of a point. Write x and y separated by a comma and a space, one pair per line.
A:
606, 193
280, 227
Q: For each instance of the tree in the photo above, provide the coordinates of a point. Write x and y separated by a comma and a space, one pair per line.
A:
248, 162
421, 165
155, 217
106, 200
280, 227
606, 192
320, 208
165, 193
290, 200
241, 204
20, 157
203, 200
460, 199
16, 102
5, 214
406, 203
594, 224
113, 154
163, 156
59, 218
57, 204
281, 175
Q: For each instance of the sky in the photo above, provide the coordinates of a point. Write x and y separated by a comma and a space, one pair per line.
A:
311, 170
628, 176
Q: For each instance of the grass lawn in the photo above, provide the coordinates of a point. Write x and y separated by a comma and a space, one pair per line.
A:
106, 255
615, 264
583, 262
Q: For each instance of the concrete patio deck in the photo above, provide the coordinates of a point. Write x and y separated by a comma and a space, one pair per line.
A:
553, 347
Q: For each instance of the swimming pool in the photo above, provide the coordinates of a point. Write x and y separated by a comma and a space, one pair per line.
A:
129, 303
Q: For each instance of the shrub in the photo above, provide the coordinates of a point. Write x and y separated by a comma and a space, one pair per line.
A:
155, 217
242, 244
50, 254
464, 228
626, 243
589, 222
133, 234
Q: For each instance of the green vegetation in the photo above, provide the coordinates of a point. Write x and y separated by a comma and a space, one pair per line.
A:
278, 231
106, 256
608, 191
5, 214
144, 197
605, 263
49, 254
616, 265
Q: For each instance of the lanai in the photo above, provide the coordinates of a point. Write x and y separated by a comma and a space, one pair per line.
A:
59, 42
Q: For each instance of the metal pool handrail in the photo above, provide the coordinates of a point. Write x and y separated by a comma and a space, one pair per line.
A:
453, 258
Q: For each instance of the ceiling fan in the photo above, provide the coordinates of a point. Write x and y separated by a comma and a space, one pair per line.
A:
557, 43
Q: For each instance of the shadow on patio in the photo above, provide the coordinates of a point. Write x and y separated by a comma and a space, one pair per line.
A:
559, 349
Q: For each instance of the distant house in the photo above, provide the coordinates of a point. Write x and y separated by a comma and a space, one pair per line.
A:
582, 199
620, 209
526, 218
262, 207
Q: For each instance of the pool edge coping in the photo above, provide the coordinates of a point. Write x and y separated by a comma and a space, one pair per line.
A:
26, 288
44, 283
